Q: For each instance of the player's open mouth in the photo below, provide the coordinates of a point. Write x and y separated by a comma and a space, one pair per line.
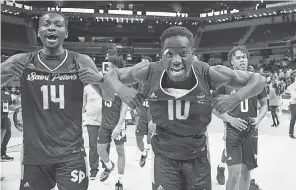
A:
176, 71
51, 38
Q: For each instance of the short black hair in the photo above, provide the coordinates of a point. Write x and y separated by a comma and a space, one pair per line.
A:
238, 48
117, 61
57, 12
177, 31
147, 57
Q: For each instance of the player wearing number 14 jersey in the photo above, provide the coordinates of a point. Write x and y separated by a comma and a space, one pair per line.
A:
52, 95
178, 88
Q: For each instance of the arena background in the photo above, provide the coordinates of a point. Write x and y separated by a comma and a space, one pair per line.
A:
132, 29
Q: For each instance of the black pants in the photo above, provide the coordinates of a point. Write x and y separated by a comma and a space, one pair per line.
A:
5, 124
274, 116
93, 134
293, 118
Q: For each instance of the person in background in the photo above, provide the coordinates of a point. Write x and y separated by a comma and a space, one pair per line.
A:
6, 105
292, 90
92, 118
274, 102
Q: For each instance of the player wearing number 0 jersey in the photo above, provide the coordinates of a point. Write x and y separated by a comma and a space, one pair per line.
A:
241, 135
178, 88
52, 95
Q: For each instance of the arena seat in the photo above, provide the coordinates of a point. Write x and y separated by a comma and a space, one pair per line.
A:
224, 37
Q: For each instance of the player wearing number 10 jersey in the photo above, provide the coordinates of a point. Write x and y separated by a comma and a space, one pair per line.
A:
52, 94
178, 88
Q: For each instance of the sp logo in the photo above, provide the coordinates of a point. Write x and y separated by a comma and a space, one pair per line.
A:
77, 176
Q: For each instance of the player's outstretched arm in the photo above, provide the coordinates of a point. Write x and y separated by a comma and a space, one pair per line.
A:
126, 76
13, 67
248, 84
89, 74
117, 79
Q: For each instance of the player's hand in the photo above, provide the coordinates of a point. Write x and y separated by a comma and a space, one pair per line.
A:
89, 76
225, 103
130, 96
116, 133
151, 127
255, 122
123, 133
239, 124
14, 68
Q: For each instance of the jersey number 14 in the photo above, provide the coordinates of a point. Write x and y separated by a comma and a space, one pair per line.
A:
53, 95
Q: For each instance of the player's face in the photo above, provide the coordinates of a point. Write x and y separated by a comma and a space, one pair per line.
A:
240, 60
52, 30
177, 57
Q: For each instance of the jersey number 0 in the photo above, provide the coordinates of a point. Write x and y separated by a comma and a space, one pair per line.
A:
244, 106
53, 95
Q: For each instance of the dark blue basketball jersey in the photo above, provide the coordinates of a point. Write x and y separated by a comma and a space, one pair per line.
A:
111, 113
51, 109
142, 111
248, 107
181, 116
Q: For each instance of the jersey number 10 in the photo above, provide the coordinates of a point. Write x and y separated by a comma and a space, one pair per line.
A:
178, 108
53, 95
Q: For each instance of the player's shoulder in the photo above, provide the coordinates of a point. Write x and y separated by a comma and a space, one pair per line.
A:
201, 67
84, 60
82, 57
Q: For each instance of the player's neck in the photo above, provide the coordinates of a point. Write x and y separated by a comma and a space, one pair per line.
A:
188, 83
53, 52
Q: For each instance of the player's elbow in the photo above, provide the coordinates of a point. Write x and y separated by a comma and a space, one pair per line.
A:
260, 79
257, 79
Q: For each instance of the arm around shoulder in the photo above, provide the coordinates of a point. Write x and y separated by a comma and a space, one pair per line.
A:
118, 77
13, 67
94, 77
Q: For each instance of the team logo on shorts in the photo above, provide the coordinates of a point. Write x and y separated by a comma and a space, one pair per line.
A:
160, 188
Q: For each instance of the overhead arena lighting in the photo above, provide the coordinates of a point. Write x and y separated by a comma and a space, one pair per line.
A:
168, 14
121, 12
77, 10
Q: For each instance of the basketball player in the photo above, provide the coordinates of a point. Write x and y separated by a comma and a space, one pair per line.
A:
241, 131
180, 102
52, 82
113, 127
142, 123
92, 118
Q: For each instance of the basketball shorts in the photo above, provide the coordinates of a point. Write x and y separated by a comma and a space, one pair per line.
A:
241, 148
181, 174
142, 127
105, 137
68, 175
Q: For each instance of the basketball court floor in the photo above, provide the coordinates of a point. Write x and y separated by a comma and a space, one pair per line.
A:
276, 159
